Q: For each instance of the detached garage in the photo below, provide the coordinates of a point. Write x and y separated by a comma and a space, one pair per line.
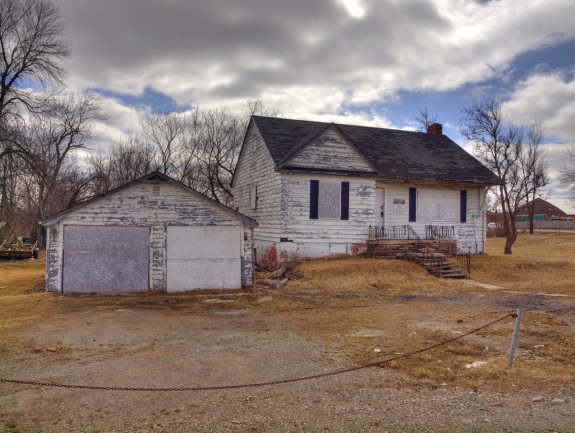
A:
150, 234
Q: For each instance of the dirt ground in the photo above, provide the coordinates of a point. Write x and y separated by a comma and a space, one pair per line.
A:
161, 341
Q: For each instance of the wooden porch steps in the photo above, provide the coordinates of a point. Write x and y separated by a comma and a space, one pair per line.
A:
403, 242
435, 263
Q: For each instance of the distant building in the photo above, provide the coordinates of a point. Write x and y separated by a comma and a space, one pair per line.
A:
542, 211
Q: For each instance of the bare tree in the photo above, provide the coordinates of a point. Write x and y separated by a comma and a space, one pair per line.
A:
126, 160
32, 48
221, 135
425, 118
502, 149
535, 167
567, 172
174, 138
200, 148
52, 141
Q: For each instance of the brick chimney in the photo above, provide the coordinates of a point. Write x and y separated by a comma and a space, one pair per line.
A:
435, 129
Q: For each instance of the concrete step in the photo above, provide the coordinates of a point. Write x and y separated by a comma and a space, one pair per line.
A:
458, 275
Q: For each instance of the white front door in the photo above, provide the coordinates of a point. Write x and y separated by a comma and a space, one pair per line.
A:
380, 207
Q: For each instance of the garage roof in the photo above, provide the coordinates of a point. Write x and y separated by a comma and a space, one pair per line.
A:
155, 176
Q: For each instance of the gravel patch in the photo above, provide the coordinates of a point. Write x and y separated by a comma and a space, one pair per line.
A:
148, 348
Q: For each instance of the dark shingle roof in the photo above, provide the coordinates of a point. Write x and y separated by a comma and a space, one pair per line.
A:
395, 154
541, 207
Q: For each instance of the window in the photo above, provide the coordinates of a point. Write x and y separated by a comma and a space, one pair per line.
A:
437, 205
329, 200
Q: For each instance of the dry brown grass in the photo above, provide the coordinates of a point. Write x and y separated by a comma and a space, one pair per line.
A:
366, 275
22, 300
355, 305
539, 246
539, 263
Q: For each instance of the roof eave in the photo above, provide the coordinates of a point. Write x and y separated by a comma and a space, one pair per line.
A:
326, 171
54, 219
442, 180
308, 170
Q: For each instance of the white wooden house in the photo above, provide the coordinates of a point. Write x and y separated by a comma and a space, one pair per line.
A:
317, 188
153, 233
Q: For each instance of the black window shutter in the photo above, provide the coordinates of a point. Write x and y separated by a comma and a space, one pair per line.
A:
345, 200
412, 204
463, 206
313, 199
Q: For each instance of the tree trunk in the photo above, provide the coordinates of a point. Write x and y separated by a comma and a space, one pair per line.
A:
511, 236
531, 213
510, 240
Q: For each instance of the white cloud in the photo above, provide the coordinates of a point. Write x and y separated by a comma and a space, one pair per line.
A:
354, 8
548, 97
224, 51
120, 120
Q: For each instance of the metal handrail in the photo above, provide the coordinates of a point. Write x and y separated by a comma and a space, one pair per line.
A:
439, 232
429, 255
442, 237
392, 232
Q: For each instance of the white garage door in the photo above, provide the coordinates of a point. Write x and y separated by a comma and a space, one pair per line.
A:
105, 259
206, 257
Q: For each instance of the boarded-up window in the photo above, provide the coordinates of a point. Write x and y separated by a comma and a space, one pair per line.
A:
438, 205
329, 200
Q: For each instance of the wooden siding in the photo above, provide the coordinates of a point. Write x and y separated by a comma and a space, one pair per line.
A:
283, 199
55, 236
258, 171
247, 257
138, 206
470, 235
329, 151
337, 234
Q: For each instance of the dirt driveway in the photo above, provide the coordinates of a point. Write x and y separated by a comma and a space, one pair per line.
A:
178, 341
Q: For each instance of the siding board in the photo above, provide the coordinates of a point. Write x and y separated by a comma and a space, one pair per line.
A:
329, 151
261, 173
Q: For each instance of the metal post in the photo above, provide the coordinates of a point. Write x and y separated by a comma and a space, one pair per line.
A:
514, 338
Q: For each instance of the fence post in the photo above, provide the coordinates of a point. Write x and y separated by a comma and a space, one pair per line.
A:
514, 338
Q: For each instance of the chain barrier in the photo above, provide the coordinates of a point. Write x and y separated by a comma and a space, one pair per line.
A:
260, 384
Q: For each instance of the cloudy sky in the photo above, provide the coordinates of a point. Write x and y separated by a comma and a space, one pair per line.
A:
369, 62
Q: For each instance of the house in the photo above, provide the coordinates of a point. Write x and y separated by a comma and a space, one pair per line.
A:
316, 188
153, 233
542, 210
